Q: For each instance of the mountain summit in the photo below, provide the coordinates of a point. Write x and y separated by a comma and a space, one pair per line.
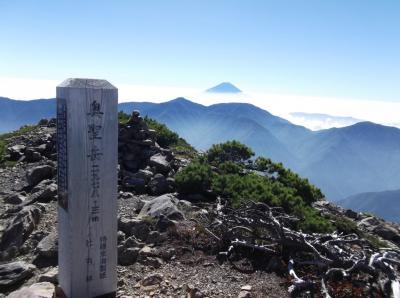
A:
224, 87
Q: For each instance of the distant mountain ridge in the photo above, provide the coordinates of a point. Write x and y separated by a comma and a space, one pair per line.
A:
385, 204
15, 113
341, 161
344, 161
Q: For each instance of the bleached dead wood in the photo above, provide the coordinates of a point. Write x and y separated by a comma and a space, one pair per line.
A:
259, 233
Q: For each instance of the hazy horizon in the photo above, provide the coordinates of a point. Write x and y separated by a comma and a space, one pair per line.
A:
282, 105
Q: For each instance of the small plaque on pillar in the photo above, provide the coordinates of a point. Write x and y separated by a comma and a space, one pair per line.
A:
87, 142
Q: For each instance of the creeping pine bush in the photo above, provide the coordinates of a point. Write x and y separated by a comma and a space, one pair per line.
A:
223, 170
195, 178
229, 151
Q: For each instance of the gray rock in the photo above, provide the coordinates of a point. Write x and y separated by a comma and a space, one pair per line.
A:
387, 232
133, 242
37, 174
160, 163
152, 279
48, 246
135, 202
13, 273
126, 195
120, 237
50, 276
43, 122
38, 290
31, 155
146, 175
45, 191
162, 205
351, 214
127, 255
41, 148
151, 261
14, 198
134, 226
155, 237
159, 185
136, 184
148, 251
16, 152
164, 224
21, 226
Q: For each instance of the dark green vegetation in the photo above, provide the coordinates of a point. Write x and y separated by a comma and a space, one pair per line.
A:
4, 141
227, 171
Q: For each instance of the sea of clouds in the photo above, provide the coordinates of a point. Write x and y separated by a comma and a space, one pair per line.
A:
338, 111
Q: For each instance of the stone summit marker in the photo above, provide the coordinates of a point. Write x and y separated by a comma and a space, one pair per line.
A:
87, 140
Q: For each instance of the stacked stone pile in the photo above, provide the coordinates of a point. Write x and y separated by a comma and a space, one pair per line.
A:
145, 167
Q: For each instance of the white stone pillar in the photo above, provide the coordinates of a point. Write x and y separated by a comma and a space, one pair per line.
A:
87, 137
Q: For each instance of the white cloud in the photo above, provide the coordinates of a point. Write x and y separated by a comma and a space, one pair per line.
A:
279, 104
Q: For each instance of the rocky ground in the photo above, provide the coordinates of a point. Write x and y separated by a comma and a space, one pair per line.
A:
162, 249
154, 260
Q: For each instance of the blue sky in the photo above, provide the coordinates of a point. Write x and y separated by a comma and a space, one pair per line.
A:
342, 48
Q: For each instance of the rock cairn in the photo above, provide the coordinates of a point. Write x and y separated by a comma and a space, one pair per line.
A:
145, 167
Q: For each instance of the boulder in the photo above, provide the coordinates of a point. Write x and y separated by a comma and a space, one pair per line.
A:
146, 175
14, 198
40, 173
133, 242
135, 202
43, 122
52, 122
159, 185
387, 232
45, 191
134, 226
162, 205
50, 276
148, 251
152, 279
38, 290
351, 214
16, 152
160, 163
245, 292
31, 155
120, 237
48, 246
151, 261
21, 226
13, 273
138, 185
165, 224
155, 237
127, 255
41, 148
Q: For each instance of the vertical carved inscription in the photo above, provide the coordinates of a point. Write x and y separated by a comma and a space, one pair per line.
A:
62, 153
95, 156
